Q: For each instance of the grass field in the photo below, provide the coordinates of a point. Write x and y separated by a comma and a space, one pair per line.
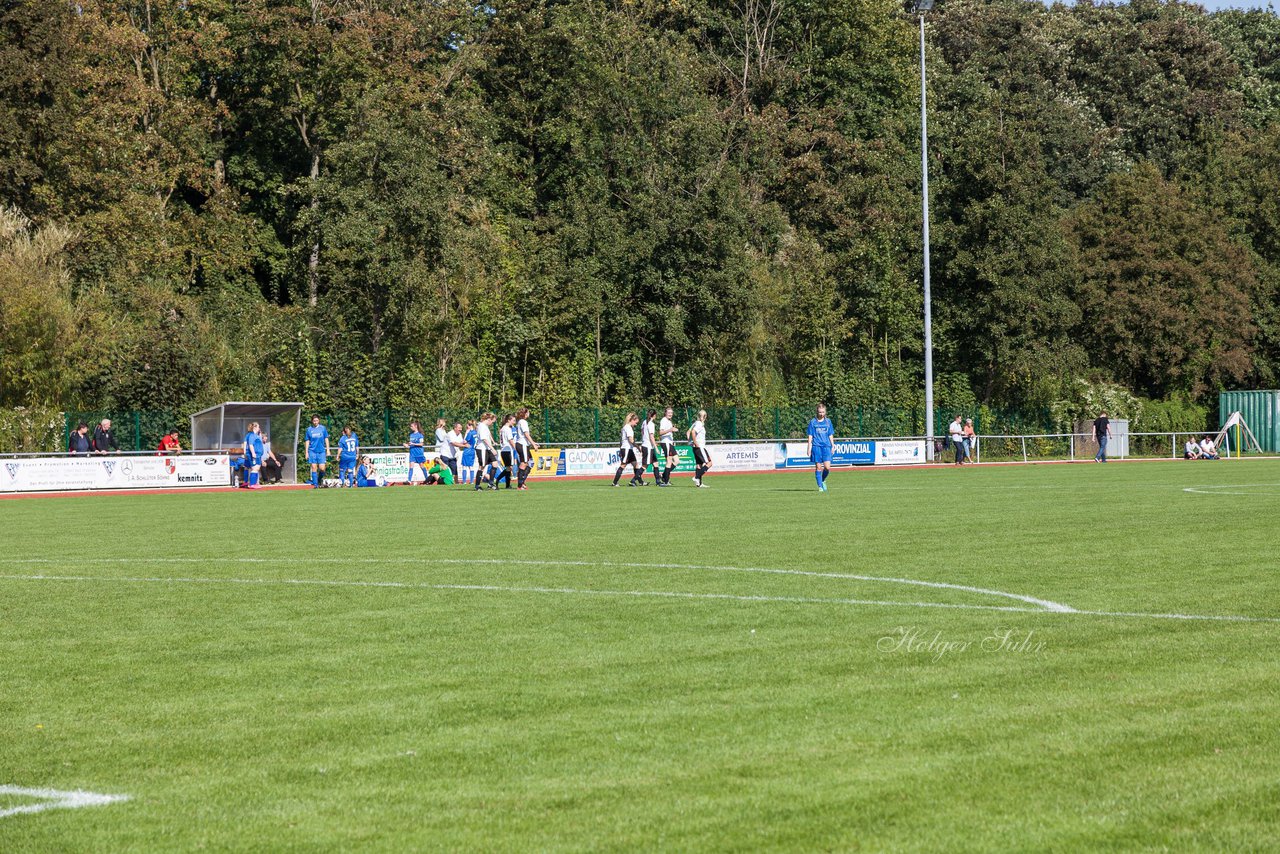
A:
587, 668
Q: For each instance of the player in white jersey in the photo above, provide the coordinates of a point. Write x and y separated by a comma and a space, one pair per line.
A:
628, 453
649, 447
486, 453
508, 436
701, 457
667, 438
525, 446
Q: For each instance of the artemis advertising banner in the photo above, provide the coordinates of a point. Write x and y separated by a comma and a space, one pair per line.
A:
741, 457
52, 474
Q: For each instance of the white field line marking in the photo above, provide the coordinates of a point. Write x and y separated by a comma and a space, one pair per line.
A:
659, 594
410, 585
54, 799
937, 585
1221, 489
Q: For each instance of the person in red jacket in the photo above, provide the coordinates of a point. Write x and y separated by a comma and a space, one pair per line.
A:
169, 444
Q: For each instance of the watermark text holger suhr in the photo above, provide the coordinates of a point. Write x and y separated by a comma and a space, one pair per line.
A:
913, 640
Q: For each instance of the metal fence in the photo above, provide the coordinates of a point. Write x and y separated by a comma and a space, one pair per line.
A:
142, 430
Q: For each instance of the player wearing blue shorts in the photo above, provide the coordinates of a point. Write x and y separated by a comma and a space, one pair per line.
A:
348, 454
821, 434
317, 450
253, 453
417, 451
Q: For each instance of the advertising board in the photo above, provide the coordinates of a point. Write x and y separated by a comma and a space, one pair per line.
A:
42, 474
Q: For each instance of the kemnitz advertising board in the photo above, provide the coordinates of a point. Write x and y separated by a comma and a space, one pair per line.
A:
55, 474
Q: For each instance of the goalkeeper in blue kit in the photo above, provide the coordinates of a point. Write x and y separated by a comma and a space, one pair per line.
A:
821, 435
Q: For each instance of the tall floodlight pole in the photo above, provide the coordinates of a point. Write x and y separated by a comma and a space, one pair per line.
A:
922, 6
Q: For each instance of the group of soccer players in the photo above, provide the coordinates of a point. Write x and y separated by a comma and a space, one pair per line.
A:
470, 453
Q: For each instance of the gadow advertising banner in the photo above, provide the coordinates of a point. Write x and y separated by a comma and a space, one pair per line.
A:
53, 474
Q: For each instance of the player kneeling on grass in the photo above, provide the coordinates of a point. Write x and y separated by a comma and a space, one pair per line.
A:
440, 474
821, 432
367, 474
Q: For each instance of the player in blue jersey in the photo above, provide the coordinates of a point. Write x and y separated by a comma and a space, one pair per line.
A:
348, 454
253, 453
417, 451
821, 435
317, 450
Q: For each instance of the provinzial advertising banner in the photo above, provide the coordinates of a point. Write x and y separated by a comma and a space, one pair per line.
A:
847, 452
898, 453
54, 474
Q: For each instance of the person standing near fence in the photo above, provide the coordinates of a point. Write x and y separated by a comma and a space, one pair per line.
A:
820, 434
79, 441
956, 434
970, 440
468, 461
104, 441
1101, 433
317, 451
348, 455
701, 457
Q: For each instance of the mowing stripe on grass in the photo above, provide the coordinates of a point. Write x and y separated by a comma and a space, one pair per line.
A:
938, 585
660, 594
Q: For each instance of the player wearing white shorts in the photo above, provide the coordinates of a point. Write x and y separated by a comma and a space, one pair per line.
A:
508, 436
701, 457
667, 438
486, 454
649, 447
525, 446
628, 453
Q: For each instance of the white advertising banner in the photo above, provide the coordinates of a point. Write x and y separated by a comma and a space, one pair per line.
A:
53, 474
393, 466
898, 453
743, 457
582, 461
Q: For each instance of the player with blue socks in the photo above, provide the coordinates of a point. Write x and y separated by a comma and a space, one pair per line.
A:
417, 451
821, 435
317, 450
348, 454
253, 454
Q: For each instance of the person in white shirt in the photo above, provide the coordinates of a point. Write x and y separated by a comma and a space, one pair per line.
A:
444, 450
667, 436
457, 444
1191, 451
956, 432
1208, 450
486, 453
525, 446
508, 437
649, 447
628, 453
697, 434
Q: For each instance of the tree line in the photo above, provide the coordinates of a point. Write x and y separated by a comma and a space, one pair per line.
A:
372, 203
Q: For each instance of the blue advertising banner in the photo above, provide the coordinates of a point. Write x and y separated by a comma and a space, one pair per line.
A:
850, 452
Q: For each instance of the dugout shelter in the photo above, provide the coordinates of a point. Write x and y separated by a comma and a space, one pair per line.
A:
222, 428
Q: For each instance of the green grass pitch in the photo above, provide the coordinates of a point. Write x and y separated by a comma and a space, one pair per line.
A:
583, 668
